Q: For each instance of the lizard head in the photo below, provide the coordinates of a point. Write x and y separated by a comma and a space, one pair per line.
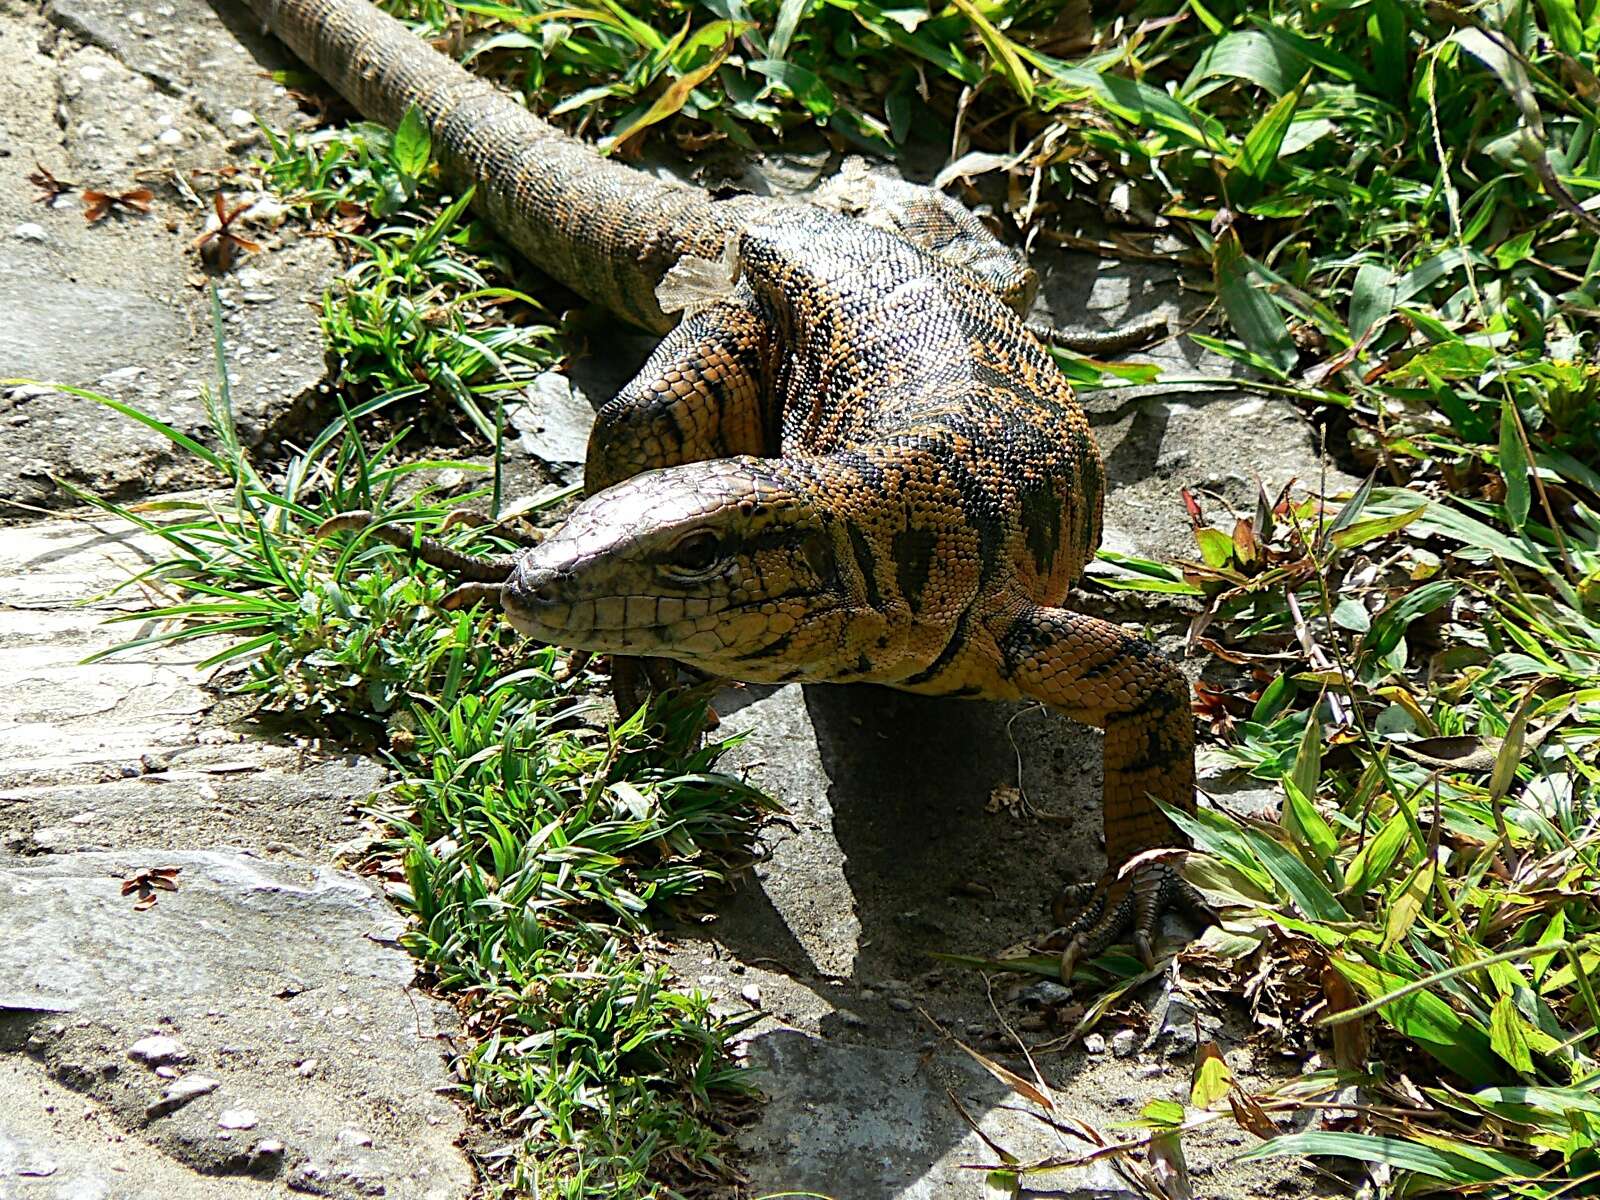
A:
714, 564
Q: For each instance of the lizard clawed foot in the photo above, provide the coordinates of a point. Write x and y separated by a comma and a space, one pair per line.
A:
634, 679
1098, 915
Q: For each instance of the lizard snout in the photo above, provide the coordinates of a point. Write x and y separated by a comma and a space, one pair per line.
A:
535, 594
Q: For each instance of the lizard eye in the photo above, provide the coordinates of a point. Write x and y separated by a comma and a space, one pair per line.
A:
695, 554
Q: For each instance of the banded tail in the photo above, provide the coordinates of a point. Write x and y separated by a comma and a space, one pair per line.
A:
608, 232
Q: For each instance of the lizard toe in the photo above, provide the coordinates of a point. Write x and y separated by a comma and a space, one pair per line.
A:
1117, 909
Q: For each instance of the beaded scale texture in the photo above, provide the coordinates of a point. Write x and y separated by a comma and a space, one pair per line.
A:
848, 461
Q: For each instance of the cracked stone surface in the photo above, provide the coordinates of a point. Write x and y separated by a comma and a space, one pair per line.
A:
108, 101
271, 978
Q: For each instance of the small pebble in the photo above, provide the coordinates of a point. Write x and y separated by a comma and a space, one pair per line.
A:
751, 995
900, 1004
1124, 1042
353, 1137
30, 231
1046, 991
237, 1118
170, 137
240, 119
1094, 1044
157, 1049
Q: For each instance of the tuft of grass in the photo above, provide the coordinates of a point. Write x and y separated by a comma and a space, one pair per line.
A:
428, 296
530, 836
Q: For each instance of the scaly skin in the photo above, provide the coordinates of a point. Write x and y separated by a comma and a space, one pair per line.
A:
850, 461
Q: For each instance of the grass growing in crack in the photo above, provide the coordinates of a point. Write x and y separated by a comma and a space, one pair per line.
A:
427, 297
531, 838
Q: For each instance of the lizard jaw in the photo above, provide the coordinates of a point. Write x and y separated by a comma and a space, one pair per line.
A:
544, 603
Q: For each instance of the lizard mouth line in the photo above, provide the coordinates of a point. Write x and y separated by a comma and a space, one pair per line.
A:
537, 622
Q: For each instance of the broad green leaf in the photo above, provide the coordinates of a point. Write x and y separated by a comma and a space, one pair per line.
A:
1307, 826
1514, 250
1552, 1100
1216, 547
1162, 1113
1448, 360
1351, 614
1212, 1079
1137, 103
640, 32
1406, 904
1459, 1043
412, 145
1507, 1038
1311, 896
803, 84
1395, 1152
1002, 49
789, 14
1354, 507
1510, 755
1371, 864
1389, 626
1220, 835
1430, 271
1251, 311
1274, 698
1250, 55
1307, 771
1321, 54
1372, 299
1554, 931
1482, 540
1566, 28
1514, 467
1259, 152
1391, 48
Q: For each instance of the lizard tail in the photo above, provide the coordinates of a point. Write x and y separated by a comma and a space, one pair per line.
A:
608, 232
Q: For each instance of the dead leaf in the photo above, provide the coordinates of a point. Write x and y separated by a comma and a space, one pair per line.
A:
1349, 1037
1010, 1078
145, 884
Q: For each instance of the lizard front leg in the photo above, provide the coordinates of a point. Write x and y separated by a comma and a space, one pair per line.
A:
700, 396
1095, 672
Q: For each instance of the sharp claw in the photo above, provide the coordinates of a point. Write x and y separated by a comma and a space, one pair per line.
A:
1071, 905
1069, 959
1147, 954
1117, 909
1193, 902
